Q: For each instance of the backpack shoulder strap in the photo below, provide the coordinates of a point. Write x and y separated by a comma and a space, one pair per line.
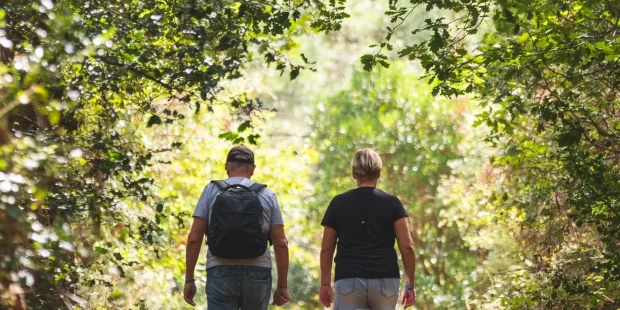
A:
222, 185
257, 187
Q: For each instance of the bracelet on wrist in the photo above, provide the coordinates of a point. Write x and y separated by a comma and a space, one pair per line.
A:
190, 280
409, 287
281, 286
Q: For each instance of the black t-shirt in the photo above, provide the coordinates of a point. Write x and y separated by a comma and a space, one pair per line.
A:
364, 220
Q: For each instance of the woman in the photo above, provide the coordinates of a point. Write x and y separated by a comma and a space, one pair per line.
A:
364, 223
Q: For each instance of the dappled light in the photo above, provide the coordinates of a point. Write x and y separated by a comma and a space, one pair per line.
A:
497, 124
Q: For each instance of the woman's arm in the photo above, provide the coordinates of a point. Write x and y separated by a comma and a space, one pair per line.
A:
328, 246
405, 245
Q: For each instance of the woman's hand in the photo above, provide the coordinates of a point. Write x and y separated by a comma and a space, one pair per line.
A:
408, 297
326, 295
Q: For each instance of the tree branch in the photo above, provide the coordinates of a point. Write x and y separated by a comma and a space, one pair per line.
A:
138, 72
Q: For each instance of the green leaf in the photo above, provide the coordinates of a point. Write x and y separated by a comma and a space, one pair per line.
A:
570, 137
368, 61
253, 138
305, 60
54, 117
115, 155
294, 72
228, 41
594, 301
153, 120
15, 213
116, 294
228, 136
243, 126
383, 63
612, 57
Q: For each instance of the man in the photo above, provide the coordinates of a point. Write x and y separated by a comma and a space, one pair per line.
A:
233, 282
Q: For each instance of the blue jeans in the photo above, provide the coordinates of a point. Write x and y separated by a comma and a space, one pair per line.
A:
238, 287
359, 294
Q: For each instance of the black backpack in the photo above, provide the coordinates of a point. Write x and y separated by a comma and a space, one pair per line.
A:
236, 223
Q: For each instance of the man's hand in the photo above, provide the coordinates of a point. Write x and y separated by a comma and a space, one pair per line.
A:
189, 292
408, 298
326, 295
281, 296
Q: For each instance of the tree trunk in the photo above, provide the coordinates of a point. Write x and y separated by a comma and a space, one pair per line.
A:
5, 134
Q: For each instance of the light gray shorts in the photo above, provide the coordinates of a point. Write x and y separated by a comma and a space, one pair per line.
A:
360, 294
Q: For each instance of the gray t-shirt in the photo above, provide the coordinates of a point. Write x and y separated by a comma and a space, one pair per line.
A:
271, 216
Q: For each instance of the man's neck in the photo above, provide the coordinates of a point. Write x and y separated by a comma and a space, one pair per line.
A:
239, 176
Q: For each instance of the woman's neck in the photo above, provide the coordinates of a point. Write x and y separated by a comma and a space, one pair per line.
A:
371, 183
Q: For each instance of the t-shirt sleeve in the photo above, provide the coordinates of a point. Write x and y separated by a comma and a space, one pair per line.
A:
276, 213
398, 210
329, 219
202, 207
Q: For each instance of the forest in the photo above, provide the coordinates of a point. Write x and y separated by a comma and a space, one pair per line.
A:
498, 123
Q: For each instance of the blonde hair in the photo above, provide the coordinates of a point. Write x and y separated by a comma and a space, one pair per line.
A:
366, 165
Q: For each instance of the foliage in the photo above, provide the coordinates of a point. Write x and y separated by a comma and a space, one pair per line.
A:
547, 78
78, 79
109, 111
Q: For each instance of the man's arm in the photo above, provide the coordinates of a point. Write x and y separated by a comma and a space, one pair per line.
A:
280, 249
192, 251
405, 245
194, 242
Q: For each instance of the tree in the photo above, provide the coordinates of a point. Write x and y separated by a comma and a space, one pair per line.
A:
77, 79
546, 74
